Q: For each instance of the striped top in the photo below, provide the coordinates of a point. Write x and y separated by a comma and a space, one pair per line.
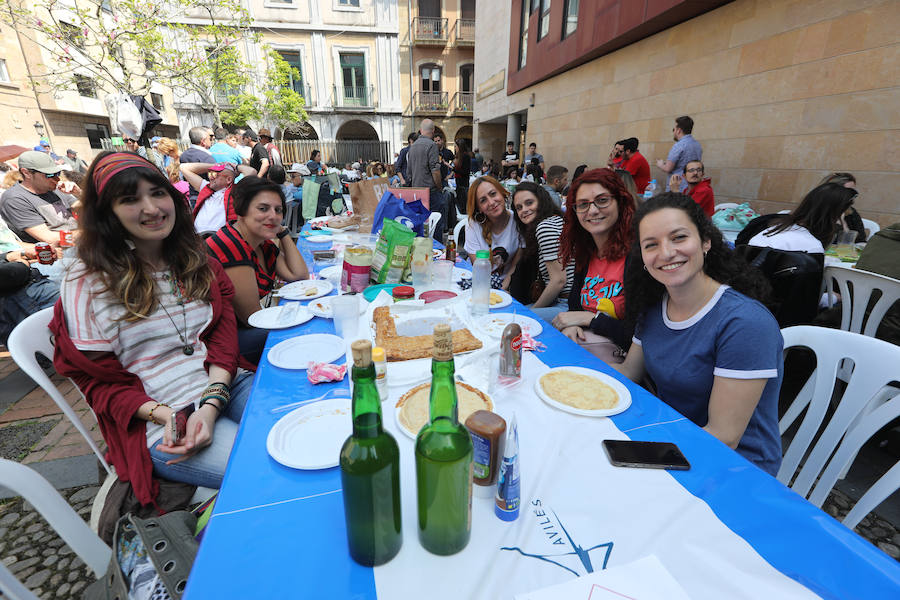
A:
232, 250
548, 233
150, 347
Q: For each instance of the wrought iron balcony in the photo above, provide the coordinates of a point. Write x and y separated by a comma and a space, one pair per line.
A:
430, 102
430, 30
463, 102
354, 97
465, 32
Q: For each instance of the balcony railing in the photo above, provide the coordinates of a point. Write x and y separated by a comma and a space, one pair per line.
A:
430, 30
430, 101
464, 102
465, 32
359, 96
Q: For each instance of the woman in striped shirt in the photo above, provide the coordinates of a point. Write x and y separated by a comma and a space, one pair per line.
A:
256, 250
145, 328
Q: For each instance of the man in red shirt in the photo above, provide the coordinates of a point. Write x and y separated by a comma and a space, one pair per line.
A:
636, 164
699, 187
616, 156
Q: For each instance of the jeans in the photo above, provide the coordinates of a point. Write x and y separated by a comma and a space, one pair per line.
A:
548, 312
251, 342
207, 467
15, 307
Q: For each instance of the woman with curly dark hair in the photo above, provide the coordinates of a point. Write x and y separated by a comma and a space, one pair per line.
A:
540, 224
596, 238
713, 350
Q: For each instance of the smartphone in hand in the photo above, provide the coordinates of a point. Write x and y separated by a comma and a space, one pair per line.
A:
179, 422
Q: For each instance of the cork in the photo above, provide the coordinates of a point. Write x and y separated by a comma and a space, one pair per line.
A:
443, 342
362, 353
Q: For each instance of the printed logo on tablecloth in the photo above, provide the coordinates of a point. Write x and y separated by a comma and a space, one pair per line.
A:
578, 558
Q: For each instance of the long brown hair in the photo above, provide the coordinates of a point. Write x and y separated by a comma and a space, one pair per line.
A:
472, 205
103, 242
576, 243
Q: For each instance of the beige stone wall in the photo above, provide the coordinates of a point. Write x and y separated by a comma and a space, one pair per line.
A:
16, 97
781, 92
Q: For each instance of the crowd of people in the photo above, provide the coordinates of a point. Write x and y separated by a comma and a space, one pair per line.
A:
174, 251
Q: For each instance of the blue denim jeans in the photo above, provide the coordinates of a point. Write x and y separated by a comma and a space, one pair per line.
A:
15, 307
548, 312
207, 467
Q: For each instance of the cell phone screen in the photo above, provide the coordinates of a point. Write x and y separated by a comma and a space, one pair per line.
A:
649, 455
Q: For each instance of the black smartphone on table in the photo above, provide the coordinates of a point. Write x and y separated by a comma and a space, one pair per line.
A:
647, 455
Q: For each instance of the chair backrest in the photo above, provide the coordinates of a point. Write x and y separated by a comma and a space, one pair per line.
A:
293, 218
433, 220
32, 336
61, 517
856, 288
460, 225
726, 205
860, 406
872, 227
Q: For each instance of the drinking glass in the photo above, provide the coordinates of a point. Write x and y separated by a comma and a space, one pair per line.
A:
421, 273
441, 272
345, 310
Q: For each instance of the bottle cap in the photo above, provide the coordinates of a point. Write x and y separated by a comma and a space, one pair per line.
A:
404, 292
362, 353
378, 354
483, 254
443, 342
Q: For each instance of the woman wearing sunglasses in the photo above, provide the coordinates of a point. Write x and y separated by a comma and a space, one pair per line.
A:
597, 237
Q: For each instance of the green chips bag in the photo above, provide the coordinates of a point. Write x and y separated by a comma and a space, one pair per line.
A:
392, 252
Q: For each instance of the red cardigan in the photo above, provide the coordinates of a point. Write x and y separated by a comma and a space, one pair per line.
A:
115, 394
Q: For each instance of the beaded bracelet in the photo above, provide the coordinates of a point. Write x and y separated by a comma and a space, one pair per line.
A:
206, 400
150, 416
218, 388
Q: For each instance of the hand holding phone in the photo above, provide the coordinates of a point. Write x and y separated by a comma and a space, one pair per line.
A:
647, 455
178, 423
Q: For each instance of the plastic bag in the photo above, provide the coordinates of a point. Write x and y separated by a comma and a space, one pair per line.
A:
734, 219
124, 115
411, 214
392, 252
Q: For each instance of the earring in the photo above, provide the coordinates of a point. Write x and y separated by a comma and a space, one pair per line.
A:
645, 267
480, 217
129, 243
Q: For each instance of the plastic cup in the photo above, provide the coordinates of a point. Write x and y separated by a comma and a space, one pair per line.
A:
421, 274
846, 244
441, 272
345, 310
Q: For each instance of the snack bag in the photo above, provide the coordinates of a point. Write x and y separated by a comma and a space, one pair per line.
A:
392, 252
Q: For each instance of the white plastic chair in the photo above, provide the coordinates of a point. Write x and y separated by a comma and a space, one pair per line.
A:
432, 222
866, 405
872, 227
460, 225
725, 205
856, 288
31, 336
65, 521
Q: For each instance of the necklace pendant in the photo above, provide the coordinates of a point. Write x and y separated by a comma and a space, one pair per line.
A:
187, 349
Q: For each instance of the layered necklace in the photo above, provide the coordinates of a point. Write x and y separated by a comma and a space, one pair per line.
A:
176, 287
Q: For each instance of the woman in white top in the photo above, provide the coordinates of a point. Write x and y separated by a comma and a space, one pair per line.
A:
491, 227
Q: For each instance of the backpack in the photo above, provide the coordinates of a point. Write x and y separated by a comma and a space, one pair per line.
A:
796, 280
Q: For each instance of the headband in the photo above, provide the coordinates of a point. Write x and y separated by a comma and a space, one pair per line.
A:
112, 164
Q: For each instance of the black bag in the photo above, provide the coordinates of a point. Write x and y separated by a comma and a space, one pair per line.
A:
16, 275
796, 280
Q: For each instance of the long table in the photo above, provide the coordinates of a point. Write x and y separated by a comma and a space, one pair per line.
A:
723, 528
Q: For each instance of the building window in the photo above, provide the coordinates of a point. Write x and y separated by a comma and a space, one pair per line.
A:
72, 34
86, 86
468, 9
4, 73
279, 3
95, 133
527, 8
157, 101
293, 59
430, 9
570, 18
353, 77
430, 78
466, 78
544, 24
353, 3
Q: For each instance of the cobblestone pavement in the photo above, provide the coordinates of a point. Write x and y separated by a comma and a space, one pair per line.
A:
44, 563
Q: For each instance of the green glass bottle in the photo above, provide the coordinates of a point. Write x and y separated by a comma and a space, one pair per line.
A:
444, 460
370, 471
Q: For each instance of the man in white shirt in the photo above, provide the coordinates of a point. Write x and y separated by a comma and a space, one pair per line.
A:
214, 206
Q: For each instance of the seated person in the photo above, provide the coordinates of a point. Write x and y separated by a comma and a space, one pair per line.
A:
214, 207
540, 224
145, 327
39, 207
698, 187
491, 227
714, 352
256, 250
596, 238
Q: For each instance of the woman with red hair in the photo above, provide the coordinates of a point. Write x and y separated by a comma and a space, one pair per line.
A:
597, 237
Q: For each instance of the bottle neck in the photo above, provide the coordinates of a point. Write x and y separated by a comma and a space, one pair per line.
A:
366, 402
442, 401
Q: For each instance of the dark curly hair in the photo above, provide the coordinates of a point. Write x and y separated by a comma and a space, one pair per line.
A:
720, 263
245, 190
545, 208
576, 243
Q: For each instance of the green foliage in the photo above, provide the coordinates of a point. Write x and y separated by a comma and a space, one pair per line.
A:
278, 104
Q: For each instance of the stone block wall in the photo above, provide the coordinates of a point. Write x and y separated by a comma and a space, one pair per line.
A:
781, 91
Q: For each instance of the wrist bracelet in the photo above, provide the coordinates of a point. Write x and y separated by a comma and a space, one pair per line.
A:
217, 388
206, 400
150, 416
283, 233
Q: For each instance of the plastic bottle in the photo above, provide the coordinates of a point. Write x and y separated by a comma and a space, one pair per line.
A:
506, 503
481, 283
650, 190
380, 361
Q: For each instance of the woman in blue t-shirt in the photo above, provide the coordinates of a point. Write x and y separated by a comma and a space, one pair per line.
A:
714, 352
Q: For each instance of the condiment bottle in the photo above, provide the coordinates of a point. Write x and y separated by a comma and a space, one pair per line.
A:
488, 431
370, 471
450, 251
506, 503
443, 460
511, 352
378, 357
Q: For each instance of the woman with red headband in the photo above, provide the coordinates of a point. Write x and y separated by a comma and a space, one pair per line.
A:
145, 327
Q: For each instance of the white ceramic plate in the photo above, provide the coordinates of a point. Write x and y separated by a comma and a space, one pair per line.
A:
332, 273
460, 274
298, 289
322, 307
505, 301
624, 394
311, 436
279, 317
494, 323
318, 239
296, 353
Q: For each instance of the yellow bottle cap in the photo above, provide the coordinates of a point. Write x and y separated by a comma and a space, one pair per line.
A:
377, 354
